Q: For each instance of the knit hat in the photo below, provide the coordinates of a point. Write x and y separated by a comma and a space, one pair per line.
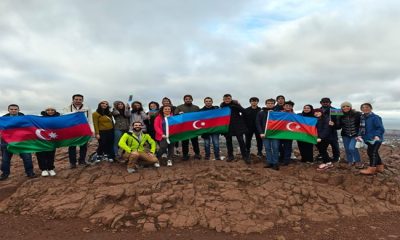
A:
346, 104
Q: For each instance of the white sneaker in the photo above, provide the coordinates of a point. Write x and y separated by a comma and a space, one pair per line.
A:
110, 160
45, 173
169, 163
52, 173
131, 170
157, 165
164, 155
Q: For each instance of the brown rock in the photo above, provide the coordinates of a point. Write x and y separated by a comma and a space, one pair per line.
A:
149, 227
144, 200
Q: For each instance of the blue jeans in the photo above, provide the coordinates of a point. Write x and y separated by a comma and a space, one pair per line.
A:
271, 150
214, 138
6, 162
117, 135
352, 154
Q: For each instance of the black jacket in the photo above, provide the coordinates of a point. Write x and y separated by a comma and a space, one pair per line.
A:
237, 126
350, 123
250, 116
261, 120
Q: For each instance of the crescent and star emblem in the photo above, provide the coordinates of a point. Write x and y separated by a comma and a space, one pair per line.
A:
290, 128
39, 134
202, 124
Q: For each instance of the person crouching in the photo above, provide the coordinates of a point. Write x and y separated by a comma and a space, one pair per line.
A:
133, 145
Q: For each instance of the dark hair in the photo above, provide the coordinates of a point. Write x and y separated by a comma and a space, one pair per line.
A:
187, 95
270, 100
208, 98
103, 111
325, 99
137, 110
77, 95
165, 98
161, 111
13, 105
280, 96
289, 103
311, 112
137, 122
156, 103
254, 99
227, 95
368, 104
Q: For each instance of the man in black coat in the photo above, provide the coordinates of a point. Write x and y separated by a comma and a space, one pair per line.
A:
250, 119
237, 127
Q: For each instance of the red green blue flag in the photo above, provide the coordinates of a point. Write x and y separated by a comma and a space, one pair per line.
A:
189, 125
336, 112
28, 134
282, 125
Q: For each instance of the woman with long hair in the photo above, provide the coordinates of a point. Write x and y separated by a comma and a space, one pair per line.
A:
104, 131
161, 134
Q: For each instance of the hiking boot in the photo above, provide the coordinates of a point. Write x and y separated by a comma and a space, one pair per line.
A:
369, 171
3, 177
31, 175
380, 168
230, 158
276, 167
197, 156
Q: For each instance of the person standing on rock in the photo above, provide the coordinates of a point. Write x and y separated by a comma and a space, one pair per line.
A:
371, 131
13, 111
121, 116
104, 130
46, 159
271, 144
306, 149
237, 127
133, 143
326, 135
286, 143
350, 123
78, 106
166, 149
188, 107
333, 141
210, 137
250, 119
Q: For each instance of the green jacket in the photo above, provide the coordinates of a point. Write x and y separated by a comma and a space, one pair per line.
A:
129, 142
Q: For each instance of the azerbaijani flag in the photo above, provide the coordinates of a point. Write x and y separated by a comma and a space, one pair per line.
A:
282, 125
336, 112
190, 125
27, 134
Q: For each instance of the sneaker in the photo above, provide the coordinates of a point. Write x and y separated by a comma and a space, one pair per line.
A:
72, 166
169, 163
52, 173
197, 156
157, 165
3, 177
131, 170
164, 155
110, 160
45, 173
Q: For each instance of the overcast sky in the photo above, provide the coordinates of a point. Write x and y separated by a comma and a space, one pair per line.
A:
348, 50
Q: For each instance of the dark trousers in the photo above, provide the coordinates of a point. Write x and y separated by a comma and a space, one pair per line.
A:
323, 150
249, 137
195, 144
335, 149
242, 145
287, 150
165, 148
72, 154
306, 151
373, 154
46, 160
6, 161
106, 143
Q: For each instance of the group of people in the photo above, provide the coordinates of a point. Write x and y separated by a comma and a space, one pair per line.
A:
127, 132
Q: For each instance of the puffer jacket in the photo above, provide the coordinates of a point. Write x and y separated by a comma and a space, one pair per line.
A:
350, 123
129, 142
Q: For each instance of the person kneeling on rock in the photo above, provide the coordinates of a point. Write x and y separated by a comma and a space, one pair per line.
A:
133, 145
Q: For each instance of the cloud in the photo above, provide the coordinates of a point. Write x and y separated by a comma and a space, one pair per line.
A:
346, 50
